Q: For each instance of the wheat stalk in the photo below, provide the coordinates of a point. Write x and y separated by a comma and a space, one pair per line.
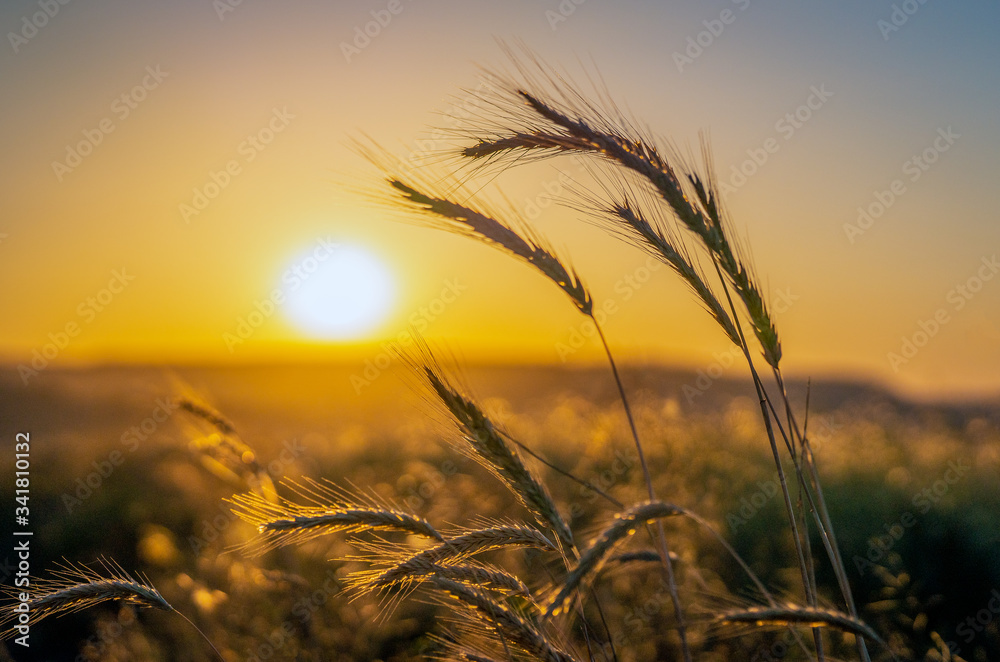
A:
640, 556
72, 588
465, 220
513, 238
206, 413
475, 657
508, 622
525, 122
622, 213
474, 574
522, 121
526, 116
593, 558
223, 451
331, 510
481, 575
492, 451
791, 614
75, 587
458, 548
705, 221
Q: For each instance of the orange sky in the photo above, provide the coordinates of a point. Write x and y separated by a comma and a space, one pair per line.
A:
116, 113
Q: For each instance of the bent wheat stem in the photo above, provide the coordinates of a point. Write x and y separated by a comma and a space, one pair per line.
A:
72, 588
661, 537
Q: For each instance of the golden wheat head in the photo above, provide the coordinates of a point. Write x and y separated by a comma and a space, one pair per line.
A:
72, 588
328, 509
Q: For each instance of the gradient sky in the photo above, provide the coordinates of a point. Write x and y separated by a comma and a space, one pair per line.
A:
842, 305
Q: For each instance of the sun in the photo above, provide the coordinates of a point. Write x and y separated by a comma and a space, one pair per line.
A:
338, 291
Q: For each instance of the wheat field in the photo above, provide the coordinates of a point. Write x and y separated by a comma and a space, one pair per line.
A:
609, 513
162, 510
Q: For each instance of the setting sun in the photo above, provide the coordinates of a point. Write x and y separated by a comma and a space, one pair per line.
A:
536, 330
337, 292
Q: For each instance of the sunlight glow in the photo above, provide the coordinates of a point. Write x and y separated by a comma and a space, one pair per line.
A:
338, 292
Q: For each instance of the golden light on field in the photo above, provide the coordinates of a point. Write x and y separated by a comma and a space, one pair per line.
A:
337, 292
182, 153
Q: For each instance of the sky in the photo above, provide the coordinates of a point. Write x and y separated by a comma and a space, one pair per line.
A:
174, 174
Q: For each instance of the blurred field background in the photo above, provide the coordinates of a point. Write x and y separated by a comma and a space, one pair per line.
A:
167, 166
154, 502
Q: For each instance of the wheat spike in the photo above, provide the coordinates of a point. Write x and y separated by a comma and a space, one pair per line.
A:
705, 221
330, 509
791, 614
474, 574
75, 587
511, 624
574, 125
593, 558
460, 547
514, 239
492, 451
654, 236
207, 414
